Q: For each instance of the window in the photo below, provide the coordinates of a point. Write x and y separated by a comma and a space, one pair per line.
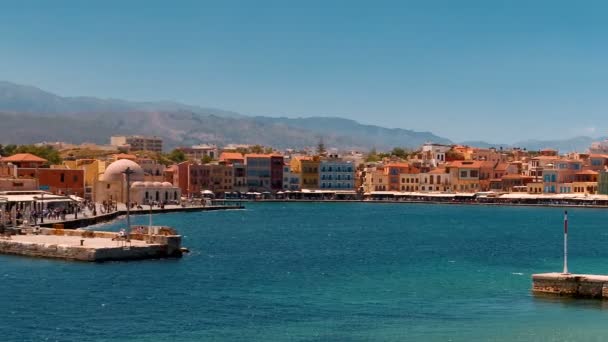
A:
463, 174
62, 178
474, 173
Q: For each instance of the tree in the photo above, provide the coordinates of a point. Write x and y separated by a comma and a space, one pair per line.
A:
372, 156
257, 149
206, 159
399, 152
177, 156
321, 150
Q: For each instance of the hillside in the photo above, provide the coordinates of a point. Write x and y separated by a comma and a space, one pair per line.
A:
32, 115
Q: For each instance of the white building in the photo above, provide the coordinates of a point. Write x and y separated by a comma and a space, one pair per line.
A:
112, 186
434, 154
137, 143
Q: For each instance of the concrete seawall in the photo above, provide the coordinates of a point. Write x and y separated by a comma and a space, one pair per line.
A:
571, 285
92, 245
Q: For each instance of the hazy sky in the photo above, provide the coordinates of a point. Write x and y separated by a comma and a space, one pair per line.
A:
500, 71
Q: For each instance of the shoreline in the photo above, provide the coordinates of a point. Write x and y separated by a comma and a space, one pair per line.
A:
505, 204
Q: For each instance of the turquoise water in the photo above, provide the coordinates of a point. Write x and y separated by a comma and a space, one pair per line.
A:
323, 272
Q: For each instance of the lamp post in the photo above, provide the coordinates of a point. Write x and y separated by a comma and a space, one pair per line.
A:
128, 172
42, 207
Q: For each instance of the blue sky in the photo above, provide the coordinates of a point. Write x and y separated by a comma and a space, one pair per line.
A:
499, 71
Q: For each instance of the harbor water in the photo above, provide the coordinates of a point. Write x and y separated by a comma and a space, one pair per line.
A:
323, 272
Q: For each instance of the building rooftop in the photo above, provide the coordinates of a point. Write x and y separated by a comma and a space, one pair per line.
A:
23, 157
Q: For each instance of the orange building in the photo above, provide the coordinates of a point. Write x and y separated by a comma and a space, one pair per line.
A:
58, 181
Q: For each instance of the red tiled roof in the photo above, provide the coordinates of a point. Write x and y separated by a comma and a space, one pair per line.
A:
23, 157
437, 171
465, 164
230, 155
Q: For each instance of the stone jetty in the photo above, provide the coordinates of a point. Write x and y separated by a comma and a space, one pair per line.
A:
95, 246
571, 285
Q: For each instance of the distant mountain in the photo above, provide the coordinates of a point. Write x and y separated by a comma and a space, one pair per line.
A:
576, 144
16, 98
29, 115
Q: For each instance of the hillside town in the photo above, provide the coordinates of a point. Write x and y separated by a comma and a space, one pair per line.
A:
255, 172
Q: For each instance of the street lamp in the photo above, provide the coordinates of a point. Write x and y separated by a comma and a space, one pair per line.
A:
128, 172
42, 207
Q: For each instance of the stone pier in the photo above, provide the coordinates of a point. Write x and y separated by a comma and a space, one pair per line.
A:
571, 285
96, 246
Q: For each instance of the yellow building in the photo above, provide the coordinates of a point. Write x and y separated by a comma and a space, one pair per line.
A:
307, 169
376, 179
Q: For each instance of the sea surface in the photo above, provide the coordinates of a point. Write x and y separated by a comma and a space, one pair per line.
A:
323, 272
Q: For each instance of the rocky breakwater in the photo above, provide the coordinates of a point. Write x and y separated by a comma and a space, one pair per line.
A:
97, 246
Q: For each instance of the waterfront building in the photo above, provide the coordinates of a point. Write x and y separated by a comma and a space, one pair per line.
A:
258, 172
276, 172
291, 180
434, 180
557, 177
138, 143
24, 160
112, 186
585, 182
56, 180
307, 169
394, 172
239, 182
217, 178
513, 183
336, 174
464, 175
376, 179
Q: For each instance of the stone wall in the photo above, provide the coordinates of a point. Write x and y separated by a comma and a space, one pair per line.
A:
584, 286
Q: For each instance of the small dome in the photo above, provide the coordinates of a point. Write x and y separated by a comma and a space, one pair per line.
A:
157, 184
114, 171
167, 185
138, 184
148, 184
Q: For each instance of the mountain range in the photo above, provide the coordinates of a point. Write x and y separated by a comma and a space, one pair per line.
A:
29, 115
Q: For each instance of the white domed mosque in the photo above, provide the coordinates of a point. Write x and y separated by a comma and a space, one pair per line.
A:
112, 186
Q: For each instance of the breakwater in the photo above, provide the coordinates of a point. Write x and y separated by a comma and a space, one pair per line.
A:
94, 246
571, 285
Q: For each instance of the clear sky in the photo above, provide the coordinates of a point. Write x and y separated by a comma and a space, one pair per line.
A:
500, 71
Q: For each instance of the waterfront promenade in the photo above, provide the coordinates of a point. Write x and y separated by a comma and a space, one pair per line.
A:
86, 218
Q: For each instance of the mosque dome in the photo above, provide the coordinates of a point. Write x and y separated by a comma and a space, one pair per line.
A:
167, 185
114, 171
157, 184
